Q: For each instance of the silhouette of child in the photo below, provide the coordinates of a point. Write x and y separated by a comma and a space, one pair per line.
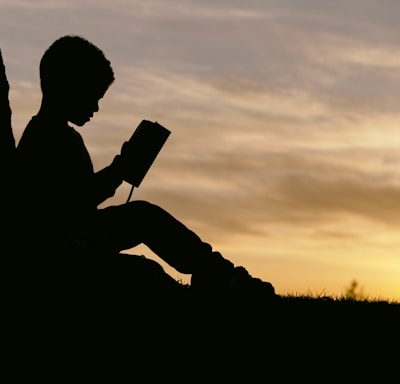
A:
59, 191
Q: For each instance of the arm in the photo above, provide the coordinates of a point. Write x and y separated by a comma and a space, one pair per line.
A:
106, 181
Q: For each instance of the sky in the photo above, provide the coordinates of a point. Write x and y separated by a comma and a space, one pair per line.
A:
285, 118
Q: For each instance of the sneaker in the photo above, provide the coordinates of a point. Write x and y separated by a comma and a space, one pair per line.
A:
242, 281
231, 280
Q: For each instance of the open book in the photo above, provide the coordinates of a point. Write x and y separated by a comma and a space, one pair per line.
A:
142, 149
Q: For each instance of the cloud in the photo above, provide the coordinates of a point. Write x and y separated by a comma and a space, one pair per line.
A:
284, 117
318, 199
340, 56
243, 156
255, 194
248, 158
23, 5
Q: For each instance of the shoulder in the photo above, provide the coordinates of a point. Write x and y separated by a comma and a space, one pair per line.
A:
43, 132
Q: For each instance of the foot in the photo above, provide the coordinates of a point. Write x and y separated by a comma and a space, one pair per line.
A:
230, 279
242, 281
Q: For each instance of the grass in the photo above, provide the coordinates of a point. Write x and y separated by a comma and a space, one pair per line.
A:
154, 335
366, 299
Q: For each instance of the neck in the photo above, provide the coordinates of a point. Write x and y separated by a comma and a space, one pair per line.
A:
50, 109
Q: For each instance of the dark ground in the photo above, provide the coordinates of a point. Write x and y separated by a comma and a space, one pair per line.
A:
219, 337
97, 326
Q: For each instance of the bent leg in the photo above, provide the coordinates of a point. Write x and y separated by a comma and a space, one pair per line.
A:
137, 222
140, 222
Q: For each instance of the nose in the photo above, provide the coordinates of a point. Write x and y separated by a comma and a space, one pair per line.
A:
96, 107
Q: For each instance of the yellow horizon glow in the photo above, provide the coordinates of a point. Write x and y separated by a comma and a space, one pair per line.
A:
285, 121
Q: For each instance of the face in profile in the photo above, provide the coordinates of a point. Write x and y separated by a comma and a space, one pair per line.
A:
83, 103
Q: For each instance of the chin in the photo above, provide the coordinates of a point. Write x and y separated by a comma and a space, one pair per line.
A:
80, 123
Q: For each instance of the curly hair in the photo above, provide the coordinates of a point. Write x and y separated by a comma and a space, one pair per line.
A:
73, 60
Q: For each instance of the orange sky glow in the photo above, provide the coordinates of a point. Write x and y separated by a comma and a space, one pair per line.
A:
285, 120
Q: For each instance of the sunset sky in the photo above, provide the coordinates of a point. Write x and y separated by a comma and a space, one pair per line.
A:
285, 120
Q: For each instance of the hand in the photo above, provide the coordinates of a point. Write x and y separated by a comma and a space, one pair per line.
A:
125, 149
119, 162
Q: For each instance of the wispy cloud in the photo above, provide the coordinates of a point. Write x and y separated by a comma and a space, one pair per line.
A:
284, 116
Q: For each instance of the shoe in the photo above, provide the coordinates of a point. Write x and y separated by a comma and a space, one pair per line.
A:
230, 279
241, 281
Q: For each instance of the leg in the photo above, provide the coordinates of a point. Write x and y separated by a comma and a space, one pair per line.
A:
126, 226
137, 222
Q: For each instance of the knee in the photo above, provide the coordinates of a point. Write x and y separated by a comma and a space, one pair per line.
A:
144, 209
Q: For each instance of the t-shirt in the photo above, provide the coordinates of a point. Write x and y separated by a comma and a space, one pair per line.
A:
58, 191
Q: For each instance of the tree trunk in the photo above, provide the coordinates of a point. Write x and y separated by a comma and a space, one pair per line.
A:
7, 141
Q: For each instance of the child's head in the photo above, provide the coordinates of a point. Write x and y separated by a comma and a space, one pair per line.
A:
75, 72
72, 61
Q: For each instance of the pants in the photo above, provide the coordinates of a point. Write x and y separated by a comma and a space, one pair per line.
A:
125, 226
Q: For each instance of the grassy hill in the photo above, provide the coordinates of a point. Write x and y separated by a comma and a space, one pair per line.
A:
98, 328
